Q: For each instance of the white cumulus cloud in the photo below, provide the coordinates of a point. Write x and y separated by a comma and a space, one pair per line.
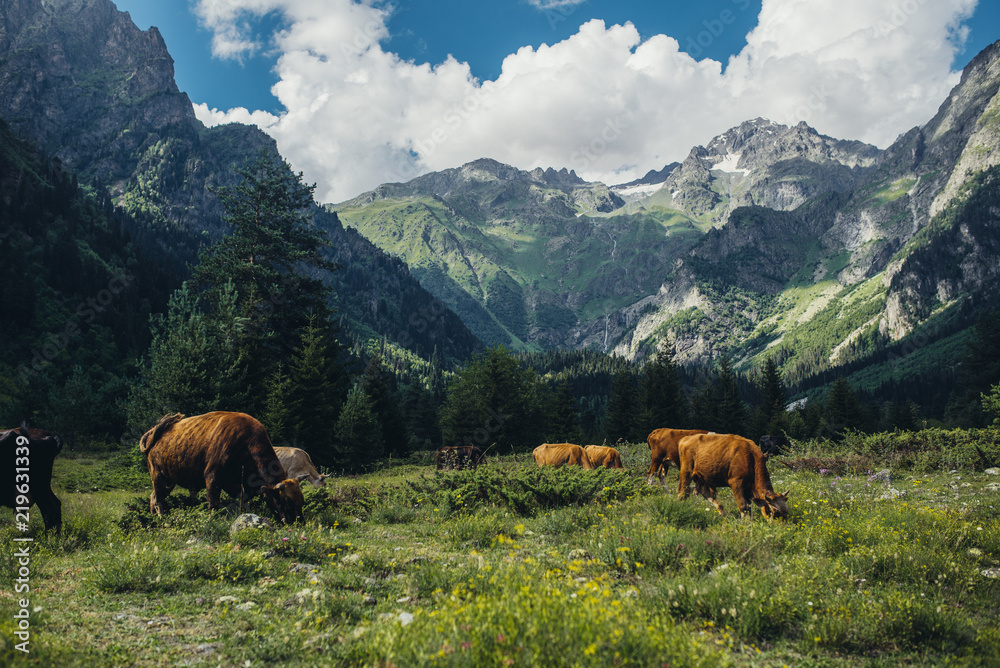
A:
605, 101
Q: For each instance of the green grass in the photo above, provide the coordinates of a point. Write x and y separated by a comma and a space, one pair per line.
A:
515, 565
893, 191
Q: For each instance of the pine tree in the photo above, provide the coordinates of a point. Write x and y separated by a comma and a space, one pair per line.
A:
564, 421
420, 413
663, 399
843, 410
704, 407
317, 389
358, 434
494, 400
276, 417
732, 411
991, 404
621, 418
266, 257
770, 417
193, 366
380, 386
980, 368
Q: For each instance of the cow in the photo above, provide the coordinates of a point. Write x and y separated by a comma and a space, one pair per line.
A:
557, 454
774, 445
27, 455
663, 451
602, 455
298, 464
220, 451
459, 457
715, 460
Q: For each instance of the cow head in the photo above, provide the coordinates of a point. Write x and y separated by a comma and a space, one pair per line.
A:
774, 505
285, 499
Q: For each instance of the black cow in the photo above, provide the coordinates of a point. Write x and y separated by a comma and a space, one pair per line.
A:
459, 457
774, 445
34, 451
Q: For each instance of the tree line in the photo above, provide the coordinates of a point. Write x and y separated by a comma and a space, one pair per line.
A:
252, 329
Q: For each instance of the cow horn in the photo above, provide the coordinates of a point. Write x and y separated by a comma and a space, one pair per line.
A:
786, 494
302, 476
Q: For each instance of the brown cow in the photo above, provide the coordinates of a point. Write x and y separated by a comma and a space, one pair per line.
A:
459, 457
26, 458
715, 460
663, 451
557, 454
298, 464
220, 451
602, 455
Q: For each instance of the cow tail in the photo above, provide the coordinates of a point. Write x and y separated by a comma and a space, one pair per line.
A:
164, 425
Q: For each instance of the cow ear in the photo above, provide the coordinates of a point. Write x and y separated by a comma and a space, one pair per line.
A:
758, 502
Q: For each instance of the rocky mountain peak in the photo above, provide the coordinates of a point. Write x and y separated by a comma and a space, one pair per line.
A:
557, 179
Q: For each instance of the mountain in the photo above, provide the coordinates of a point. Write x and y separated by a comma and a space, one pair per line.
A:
762, 163
848, 272
770, 240
522, 257
544, 259
97, 94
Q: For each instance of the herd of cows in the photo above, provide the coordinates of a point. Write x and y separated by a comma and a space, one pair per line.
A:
709, 460
231, 452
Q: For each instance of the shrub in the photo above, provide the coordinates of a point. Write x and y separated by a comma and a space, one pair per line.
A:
530, 617
523, 490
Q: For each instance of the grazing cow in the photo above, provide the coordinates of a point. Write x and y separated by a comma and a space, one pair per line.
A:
557, 454
602, 455
715, 460
663, 451
774, 445
459, 457
220, 451
298, 464
26, 458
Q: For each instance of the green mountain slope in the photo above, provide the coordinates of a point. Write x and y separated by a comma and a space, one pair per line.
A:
524, 258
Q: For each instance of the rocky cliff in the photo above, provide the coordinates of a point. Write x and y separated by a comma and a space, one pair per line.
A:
80, 80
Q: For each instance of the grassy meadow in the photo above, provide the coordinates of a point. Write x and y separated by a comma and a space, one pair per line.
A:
515, 565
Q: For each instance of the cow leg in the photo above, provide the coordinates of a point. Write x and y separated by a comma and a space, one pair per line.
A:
740, 494
709, 493
157, 500
213, 490
683, 483
51, 508
655, 470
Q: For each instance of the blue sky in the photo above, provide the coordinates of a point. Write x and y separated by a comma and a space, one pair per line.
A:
374, 92
479, 33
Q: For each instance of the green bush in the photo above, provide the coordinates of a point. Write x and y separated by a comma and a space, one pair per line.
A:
522, 490
524, 615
